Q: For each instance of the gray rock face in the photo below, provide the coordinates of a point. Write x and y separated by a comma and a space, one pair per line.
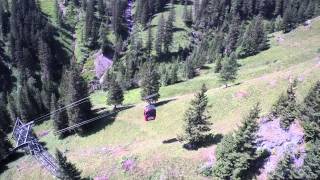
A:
278, 141
102, 64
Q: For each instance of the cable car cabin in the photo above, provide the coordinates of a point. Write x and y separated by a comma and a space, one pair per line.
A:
150, 113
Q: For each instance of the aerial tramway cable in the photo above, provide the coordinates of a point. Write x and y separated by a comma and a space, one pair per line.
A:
74, 104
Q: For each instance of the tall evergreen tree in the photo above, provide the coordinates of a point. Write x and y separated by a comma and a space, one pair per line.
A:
286, 107
310, 113
67, 169
232, 36
288, 19
197, 120
76, 90
115, 94
150, 83
311, 165
237, 152
101, 8
229, 69
160, 35
255, 39
4, 145
149, 42
168, 33
59, 118
285, 169
91, 24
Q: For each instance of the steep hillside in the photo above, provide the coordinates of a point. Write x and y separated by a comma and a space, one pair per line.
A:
126, 147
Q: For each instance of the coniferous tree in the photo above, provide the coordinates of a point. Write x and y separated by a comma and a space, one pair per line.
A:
101, 8
278, 23
168, 30
311, 165
115, 94
150, 83
58, 14
237, 152
160, 35
254, 40
286, 107
4, 145
84, 5
91, 24
76, 90
229, 68
67, 169
232, 36
197, 120
1, 19
218, 66
285, 169
59, 118
149, 42
310, 113
288, 19
196, 8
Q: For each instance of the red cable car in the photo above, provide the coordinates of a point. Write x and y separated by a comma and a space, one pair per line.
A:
150, 111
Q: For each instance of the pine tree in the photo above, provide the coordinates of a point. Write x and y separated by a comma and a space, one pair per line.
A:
311, 164
91, 24
84, 5
168, 30
196, 8
286, 107
174, 73
76, 90
285, 169
67, 169
197, 120
150, 83
255, 39
149, 42
218, 66
232, 36
101, 8
1, 20
115, 94
237, 152
309, 113
4, 145
160, 35
288, 19
279, 23
59, 118
229, 69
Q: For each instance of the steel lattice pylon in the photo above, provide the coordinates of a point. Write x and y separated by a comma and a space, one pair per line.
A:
22, 134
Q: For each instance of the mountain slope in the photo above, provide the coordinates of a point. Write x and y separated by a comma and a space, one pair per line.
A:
261, 78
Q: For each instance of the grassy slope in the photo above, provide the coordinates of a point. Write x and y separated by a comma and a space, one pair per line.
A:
263, 77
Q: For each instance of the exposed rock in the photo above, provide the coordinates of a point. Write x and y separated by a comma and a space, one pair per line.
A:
102, 64
278, 141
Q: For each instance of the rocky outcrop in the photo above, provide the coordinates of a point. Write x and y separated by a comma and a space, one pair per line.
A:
101, 64
278, 141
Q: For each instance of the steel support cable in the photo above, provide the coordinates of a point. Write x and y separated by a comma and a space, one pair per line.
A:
74, 104
84, 122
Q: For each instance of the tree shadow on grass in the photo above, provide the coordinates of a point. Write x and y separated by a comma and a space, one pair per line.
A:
209, 140
108, 118
161, 103
13, 156
169, 141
